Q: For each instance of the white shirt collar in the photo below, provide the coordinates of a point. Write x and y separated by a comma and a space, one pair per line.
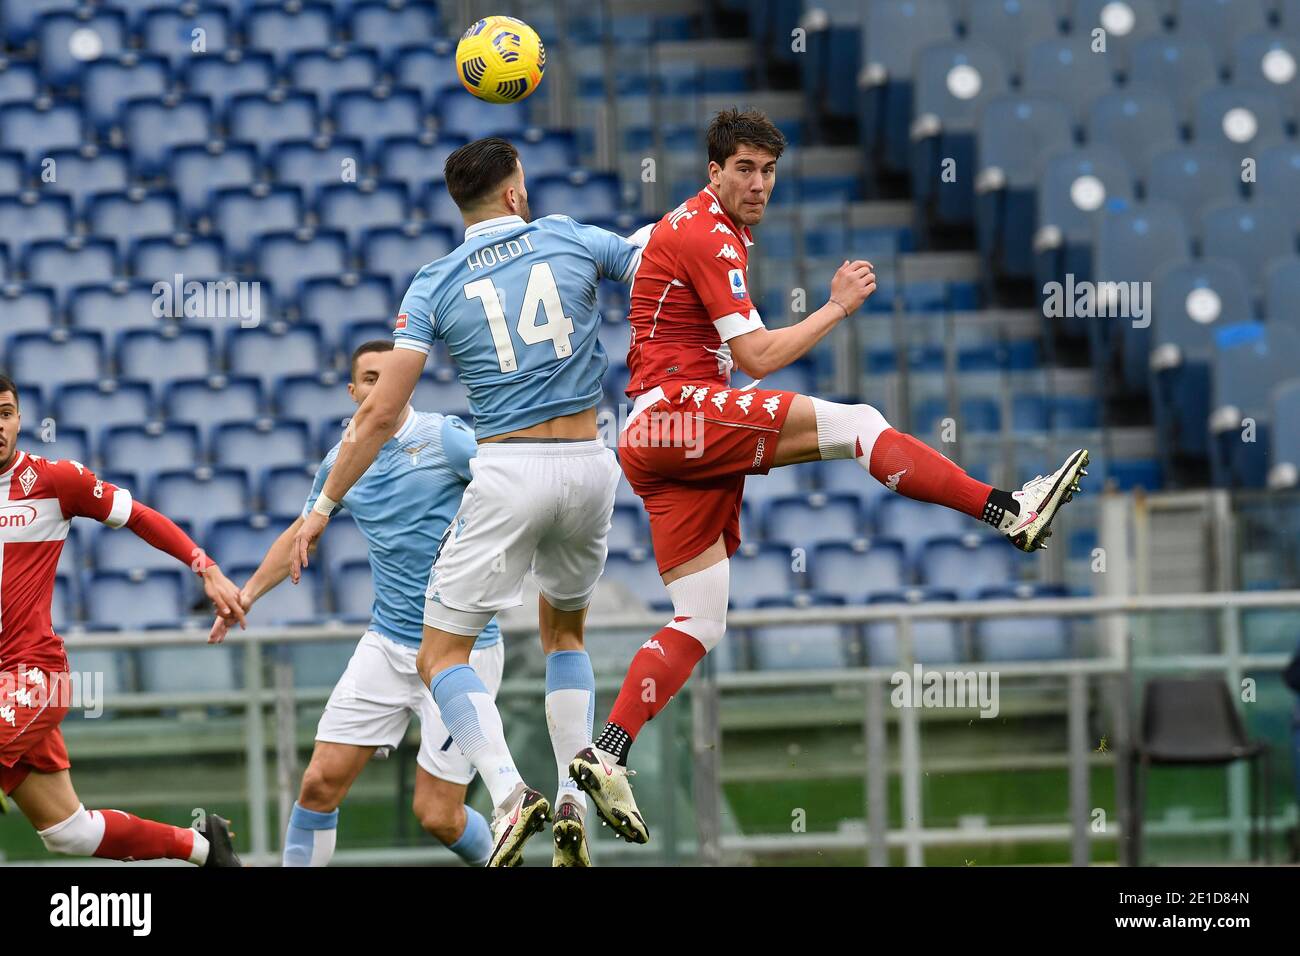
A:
746, 236
18, 460
407, 426
493, 225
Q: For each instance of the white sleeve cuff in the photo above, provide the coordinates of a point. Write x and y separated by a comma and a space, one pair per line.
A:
121, 510
415, 345
729, 326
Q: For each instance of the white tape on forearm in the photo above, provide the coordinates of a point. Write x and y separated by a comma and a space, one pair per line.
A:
324, 505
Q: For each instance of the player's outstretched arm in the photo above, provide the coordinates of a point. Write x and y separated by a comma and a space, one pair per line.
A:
764, 351
375, 422
269, 575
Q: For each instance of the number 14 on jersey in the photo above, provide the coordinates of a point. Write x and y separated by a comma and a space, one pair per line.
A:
540, 293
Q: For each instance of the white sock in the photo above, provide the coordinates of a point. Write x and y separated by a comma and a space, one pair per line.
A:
570, 716
847, 431
199, 855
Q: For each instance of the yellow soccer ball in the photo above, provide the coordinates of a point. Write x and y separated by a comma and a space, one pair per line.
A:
500, 59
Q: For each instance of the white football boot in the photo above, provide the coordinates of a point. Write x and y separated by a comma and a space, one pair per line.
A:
570, 836
524, 814
1040, 500
606, 783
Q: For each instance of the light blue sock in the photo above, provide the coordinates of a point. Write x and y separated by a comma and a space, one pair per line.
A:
474, 845
474, 723
310, 838
570, 714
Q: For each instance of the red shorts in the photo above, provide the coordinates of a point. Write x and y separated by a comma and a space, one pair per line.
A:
31, 709
687, 455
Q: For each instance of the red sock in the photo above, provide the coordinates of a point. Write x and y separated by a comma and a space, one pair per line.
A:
657, 672
127, 837
916, 470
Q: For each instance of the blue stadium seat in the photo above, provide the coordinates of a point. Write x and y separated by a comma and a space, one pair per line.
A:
1017, 133
1139, 123
266, 444
291, 258
1073, 193
545, 153
197, 172
628, 528
232, 74
809, 520
1268, 61
354, 208
104, 403
1239, 120
313, 396
332, 302
895, 31
51, 359
967, 564
974, 414
1182, 67
150, 448
65, 612
1284, 471
155, 127
1021, 638
1193, 178
326, 72
285, 30
777, 483
1010, 26
800, 646
214, 400
65, 41
26, 308
1250, 234
855, 571
19, 20
115, 549
1066, 69
1277, 179
636, 571
30, 217
581, 195
462, 113
116, 600
199, 496
398, 254
270, 352
158, 357
916, 522
38, 129
186, 32
271, 119
71, 444
762, 572
372, 115
242, 215
109, 83
163, 257
127, 216
355, 334
189, 670
354, 591
387, 26
417, 160
1126, 24
315, 163
81, 173
290, 604
281, 490
441, 208
13, 175
1221, 24
934, 641
245, 541
1249, 361
1281, 288
61, 265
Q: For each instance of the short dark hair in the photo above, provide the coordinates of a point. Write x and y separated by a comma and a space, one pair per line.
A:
475, 169
733, 128
374, 345
7, 385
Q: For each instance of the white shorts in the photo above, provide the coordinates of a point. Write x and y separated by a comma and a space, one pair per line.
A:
373, 701
539, 506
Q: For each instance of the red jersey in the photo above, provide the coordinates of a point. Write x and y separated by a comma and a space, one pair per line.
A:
38, 500
690, 295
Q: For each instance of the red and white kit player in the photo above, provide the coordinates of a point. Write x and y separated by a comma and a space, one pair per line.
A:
693, 320
38, 500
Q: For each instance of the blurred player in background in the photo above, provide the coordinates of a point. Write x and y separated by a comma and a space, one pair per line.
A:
38, 500
516, 306
402, 506
693, 320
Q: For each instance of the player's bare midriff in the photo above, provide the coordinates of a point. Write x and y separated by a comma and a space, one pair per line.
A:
580, 426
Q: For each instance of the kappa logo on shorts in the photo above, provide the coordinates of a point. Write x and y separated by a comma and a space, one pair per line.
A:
8, 714
687, 391
24, 697
720, 398
744, 400
771, 404
700, 395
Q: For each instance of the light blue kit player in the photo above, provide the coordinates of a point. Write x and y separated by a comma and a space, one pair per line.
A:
402, 507
515, 305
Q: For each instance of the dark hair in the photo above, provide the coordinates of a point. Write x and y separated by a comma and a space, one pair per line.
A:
733, 128
7, 385
475, 169
375, 345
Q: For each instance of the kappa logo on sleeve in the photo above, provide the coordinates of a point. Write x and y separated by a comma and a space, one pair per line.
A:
736, 277
401, 321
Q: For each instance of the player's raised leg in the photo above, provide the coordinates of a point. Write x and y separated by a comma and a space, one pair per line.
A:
65, 826
817, 429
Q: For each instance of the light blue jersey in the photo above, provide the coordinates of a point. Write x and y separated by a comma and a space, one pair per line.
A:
402, 505
516, 305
